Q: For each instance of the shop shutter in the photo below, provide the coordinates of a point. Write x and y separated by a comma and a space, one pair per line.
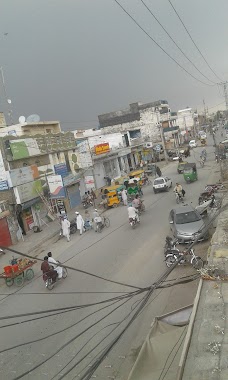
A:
74, 195
5, 238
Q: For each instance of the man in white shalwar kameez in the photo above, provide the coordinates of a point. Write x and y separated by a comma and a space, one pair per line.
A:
79, 222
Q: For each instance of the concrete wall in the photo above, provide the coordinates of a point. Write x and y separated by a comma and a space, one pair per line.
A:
185, 119
115, 140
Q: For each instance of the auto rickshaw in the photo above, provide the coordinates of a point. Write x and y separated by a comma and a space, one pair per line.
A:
180, 166
111, 193
138, 174
190, 172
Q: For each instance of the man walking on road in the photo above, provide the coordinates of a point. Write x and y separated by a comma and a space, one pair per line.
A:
124, 196
66, 228
79, 222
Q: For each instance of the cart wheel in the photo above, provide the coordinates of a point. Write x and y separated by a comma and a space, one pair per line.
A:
19, 280
9, 281
29, 274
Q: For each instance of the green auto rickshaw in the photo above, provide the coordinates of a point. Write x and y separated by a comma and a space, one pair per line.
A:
190, 172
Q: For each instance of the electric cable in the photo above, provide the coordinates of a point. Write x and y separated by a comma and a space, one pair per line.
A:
59, 331
69, 342
143, 303
92, 350
160, 47
193, 40
74, 269
88, 353
72, 307
179, 48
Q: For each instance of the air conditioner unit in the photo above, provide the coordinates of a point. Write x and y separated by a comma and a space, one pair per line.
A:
148, 144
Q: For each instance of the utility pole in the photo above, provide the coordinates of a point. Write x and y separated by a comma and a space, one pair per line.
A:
205, 110
224, 86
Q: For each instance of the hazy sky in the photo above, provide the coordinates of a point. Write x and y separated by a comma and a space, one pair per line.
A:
71, 60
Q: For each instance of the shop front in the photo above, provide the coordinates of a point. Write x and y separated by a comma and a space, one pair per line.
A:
64, 192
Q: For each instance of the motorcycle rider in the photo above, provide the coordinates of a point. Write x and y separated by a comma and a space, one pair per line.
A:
179, 190
96, 219
55, 265
47, 270
136, 203
132, 213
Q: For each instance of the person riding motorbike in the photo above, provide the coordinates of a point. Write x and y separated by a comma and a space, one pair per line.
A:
132, 213
55, 265
48, 271
179, 190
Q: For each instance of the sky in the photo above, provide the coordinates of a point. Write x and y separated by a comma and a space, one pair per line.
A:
71, 60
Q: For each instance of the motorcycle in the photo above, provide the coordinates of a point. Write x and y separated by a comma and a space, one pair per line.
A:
179, 197
49, 283
87, 202
172, 256
133, 222
206, 195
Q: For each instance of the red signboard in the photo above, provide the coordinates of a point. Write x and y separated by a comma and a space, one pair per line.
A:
102, 148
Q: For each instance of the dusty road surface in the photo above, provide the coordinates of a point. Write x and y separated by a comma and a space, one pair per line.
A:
38, 350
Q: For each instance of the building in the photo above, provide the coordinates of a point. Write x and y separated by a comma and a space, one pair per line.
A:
38, 172
187, 120
30, 129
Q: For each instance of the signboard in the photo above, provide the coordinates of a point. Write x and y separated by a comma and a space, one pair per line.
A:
61, 169
89, 182
56, 188
22, 148
102, 148
28, 191
3, 175
29, 146
4, 185
21, 176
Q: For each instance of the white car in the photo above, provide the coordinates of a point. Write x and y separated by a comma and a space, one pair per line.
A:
192, 144
162, 184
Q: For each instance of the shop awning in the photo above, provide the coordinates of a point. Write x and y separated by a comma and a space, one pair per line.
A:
161, 351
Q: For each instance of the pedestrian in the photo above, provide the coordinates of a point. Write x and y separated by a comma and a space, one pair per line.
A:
124, 196
66, 228
158, 171
79, 222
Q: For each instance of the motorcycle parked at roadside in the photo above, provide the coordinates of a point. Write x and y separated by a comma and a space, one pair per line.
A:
183, 257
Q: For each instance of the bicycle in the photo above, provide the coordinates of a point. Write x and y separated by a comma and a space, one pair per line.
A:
104, 223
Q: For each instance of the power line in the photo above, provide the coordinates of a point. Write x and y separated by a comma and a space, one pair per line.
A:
179, 48
193, 40
158, 45
75, 269
117, 325
59, 331
69, 342
72, 307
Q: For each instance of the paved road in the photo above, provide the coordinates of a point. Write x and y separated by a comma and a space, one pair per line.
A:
118, 253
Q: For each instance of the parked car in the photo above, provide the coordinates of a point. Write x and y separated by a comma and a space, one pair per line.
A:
192, 144
186, 224
162, 184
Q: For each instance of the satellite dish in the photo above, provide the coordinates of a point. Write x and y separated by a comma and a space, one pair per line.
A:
21, 119
33, 119
9, 101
